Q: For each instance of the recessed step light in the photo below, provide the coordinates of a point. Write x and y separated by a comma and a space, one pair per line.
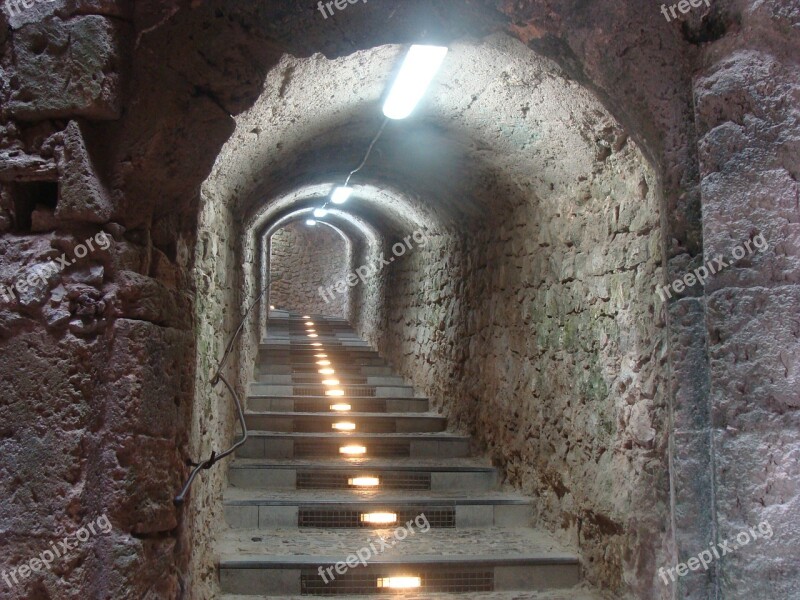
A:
326, 371
341, 407
344, 426
334, 392
364, 481
379, 518
399, 583
353, 450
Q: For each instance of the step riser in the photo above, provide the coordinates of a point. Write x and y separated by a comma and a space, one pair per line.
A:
466, 516
380, 391
315, 378
363, 425
287, 479
411, 405
287, 581
312, 369
259, 447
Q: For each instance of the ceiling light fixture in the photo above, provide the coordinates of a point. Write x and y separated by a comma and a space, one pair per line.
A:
341, 194
416, 73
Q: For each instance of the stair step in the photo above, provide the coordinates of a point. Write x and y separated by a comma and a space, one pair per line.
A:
288, 561
323, 404
322, 422
394, 473
261, 444
365, 391
311, 368
251, 509
345, 378
579, 592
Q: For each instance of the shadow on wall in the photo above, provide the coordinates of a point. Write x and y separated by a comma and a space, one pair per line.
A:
302, 259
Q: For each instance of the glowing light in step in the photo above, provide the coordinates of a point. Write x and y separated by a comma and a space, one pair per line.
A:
353, 450
271, 307
364, 481
330, 382
309, 322
321, 355
320, 212
316, 344
312, 335
311, 222
326, 371
334, 392
399, 583
344, 426
340, 407
418, 69
324, 363
379, 518
305, 317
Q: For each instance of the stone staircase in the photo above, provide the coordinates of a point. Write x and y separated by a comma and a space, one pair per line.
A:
352, 487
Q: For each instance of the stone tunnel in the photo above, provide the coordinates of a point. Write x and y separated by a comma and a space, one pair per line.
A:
574, 267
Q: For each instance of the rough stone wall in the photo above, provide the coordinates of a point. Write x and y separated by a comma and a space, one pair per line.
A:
306, 258
746, 110
539, 334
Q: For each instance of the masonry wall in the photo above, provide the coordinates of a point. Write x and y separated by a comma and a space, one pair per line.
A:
303, 259
541, 335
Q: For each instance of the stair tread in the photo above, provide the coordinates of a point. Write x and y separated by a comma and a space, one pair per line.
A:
339, 415
487, 544
405, 463
427, 435
580, 592
254, 496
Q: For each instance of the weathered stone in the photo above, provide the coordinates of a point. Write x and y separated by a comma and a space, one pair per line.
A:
67, 69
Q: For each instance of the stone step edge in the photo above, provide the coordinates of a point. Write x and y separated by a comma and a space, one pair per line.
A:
389, 501
268, 561
259, 464
439, 436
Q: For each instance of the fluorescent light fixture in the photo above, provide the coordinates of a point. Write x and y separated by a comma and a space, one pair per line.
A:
311, 222
320, 212
419, 67
344, 426
326, 371
379, 518
352, 450
334, 392
364, 481
341, 194
399, 583
340, 407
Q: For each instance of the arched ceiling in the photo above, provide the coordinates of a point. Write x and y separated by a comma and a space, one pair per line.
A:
499, 123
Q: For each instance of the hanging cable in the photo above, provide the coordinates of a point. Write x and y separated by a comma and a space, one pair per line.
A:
215, 458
